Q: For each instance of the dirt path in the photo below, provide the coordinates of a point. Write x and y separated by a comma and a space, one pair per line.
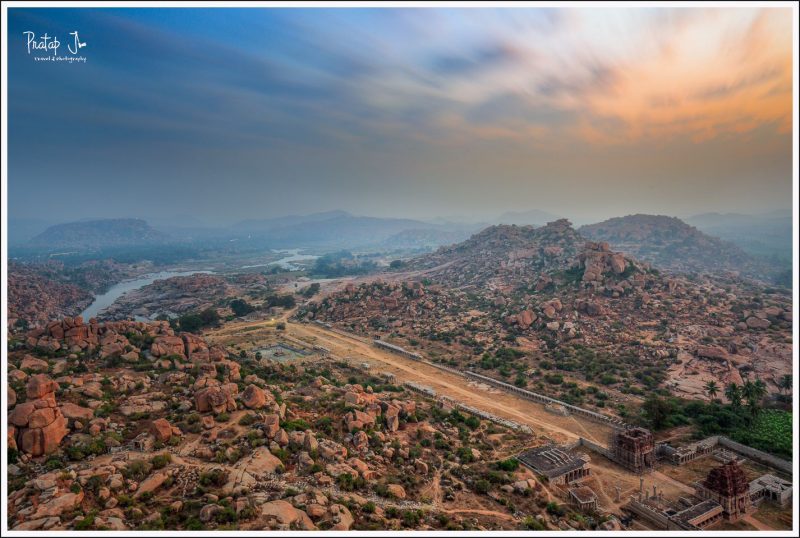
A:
669, 480
756, 523
492, 513
496, 402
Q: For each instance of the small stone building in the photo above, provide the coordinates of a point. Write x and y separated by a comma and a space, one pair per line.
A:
583, 498
557, 464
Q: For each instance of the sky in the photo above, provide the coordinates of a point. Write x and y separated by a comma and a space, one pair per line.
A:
218, 115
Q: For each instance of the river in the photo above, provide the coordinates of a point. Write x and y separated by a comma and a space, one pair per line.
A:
292, 255
103, 301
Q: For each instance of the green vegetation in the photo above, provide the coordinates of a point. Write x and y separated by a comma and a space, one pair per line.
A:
311, 290
342, 263
241, 307
771, 432
741, 419
194, 322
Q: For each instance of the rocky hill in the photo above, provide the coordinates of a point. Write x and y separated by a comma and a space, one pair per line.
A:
671, 244
95, 234
502, 254
38, 293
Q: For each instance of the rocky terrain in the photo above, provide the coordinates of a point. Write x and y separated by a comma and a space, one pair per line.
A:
127, 425
502, 256
171, 296
671, 244
543, 308
37, 294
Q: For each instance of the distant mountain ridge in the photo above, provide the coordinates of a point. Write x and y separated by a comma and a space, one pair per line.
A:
767, 234
101, 233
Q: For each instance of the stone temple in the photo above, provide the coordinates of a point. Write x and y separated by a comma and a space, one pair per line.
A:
727, 485
634, 449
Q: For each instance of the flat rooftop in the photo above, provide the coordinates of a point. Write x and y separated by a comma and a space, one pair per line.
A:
552, 460
704, 510
583, 494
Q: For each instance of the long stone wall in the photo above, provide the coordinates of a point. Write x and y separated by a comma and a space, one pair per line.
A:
755, 454
591, 445
428, 391
747, 451
540, 398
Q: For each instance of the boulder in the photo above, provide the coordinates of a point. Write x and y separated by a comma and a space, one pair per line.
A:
216, 399
161, 430
254, 397
396, 491
272, 423
30, 362
287, 515
76, 412
39, 386
262, 461
163, 346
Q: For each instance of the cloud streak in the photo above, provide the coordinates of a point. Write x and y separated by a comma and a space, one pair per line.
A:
245, 85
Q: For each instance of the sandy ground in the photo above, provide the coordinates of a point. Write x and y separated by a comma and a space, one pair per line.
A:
561, 429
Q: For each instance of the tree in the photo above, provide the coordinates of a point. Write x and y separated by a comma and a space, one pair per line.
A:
657, 411
311, 290
733, 393
711, 388
786, 383
754, 392
241, 307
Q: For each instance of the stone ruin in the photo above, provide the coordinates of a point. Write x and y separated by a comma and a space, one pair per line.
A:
634, 449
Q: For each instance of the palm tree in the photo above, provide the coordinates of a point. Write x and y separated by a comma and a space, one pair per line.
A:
711, 388
733, 393
786, 383
754, 392
761, 389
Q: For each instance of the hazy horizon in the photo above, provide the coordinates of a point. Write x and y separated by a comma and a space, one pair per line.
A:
231, 114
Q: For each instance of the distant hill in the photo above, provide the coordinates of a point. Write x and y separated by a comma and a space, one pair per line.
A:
672, 244
99, 234
331, 229
761, 235
424, 238
264, 225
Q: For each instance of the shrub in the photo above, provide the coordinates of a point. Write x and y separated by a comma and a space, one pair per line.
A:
511, 464
247, 419
215, 477
87, 522
160, 461
137, 470
482, 486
